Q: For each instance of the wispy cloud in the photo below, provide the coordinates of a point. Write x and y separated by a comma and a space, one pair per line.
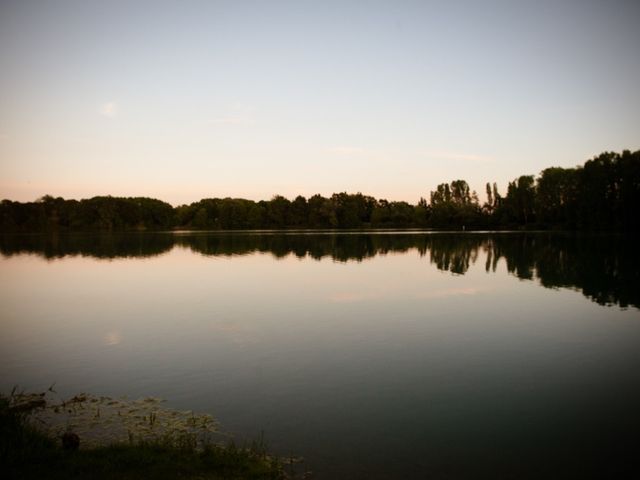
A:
344, 150
232, 120
108, 109
237, 114
465, 157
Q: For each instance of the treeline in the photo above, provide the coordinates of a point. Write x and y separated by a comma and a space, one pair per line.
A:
97, 213
603, 194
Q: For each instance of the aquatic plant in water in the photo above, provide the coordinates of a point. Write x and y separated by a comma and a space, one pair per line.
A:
102, 420
145, 429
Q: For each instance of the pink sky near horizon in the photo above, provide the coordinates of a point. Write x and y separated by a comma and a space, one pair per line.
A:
191, 101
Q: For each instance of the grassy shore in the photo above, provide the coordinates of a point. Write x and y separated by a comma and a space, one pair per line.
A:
29, 452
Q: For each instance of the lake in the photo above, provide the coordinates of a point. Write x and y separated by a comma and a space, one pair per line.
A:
374, 355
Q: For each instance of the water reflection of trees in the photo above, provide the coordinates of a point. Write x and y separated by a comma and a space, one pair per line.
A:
105, 246
339, 247
605, 267
454, 253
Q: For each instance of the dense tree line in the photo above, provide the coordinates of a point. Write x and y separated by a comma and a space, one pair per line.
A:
97, 213
603, 194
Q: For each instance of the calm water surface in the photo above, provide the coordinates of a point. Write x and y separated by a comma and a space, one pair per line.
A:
379, 355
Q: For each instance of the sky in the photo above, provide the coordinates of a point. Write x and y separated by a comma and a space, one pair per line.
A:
183, 100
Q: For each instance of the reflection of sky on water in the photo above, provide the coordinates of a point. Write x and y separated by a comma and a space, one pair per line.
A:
294, 345
112, 338
181, 301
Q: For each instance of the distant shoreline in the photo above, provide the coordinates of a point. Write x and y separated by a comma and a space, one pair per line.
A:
601, 195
